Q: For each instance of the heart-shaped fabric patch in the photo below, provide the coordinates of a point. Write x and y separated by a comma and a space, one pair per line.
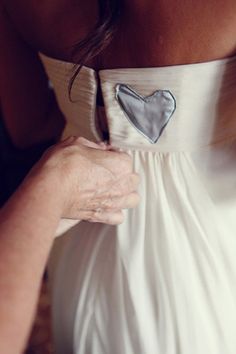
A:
149, 115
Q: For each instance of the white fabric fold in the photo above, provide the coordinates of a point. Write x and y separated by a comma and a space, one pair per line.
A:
163, 282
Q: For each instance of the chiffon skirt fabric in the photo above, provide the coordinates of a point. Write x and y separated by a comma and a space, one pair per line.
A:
162, 282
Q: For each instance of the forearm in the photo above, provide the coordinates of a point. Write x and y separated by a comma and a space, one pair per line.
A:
27, 225
76, 179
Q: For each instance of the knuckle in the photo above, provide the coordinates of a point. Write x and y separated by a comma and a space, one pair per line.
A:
98, 215
89, 216
111, 204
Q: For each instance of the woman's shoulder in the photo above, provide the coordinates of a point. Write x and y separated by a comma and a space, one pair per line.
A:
51, 26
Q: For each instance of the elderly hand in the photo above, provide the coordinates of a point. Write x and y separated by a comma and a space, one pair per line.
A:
95, 182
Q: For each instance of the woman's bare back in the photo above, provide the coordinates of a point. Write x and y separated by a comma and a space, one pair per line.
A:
151, 33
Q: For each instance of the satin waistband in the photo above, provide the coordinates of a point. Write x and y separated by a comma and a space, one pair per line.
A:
204, 115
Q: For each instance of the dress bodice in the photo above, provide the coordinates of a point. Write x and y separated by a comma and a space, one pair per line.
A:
204, 95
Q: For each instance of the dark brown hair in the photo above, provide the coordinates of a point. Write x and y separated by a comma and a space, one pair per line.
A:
99, 38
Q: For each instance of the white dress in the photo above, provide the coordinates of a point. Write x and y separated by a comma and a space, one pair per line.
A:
163, 282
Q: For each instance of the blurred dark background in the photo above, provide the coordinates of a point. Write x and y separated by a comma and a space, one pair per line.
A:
15, 163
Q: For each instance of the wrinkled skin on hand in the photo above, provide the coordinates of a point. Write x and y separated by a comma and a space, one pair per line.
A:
96, 182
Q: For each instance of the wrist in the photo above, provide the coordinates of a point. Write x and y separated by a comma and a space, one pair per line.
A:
34, 210
45, 185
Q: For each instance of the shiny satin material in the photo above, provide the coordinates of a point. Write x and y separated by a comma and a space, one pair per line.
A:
163, 282
149, 115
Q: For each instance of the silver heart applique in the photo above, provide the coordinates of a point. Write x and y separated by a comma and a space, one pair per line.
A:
149, 115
